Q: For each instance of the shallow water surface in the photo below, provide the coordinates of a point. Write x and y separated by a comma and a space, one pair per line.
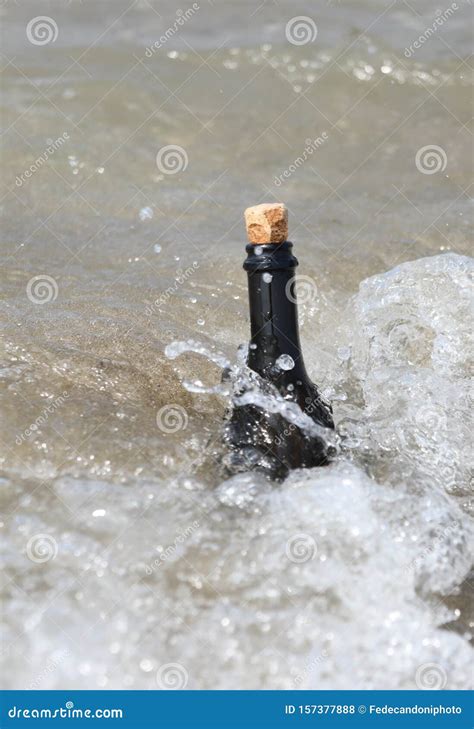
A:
129, 561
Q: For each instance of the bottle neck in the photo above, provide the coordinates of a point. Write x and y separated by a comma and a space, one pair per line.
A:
274, 314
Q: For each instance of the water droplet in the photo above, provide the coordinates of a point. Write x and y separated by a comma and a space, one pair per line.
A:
145, 213
285, 362
146, 665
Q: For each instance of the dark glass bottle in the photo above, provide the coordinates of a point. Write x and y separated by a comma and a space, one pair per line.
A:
257, 437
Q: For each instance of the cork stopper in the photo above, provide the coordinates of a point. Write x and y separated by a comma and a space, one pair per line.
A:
267, 223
